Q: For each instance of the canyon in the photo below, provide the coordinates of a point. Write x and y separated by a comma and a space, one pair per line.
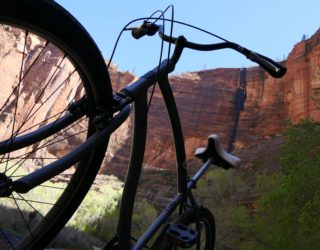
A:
205, 100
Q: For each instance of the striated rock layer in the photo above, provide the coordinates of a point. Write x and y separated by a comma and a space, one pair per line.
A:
37, 83
206, 102
205, 99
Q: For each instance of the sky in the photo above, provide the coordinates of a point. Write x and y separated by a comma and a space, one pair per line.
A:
270, 27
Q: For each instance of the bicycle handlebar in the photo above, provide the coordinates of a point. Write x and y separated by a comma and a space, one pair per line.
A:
150, 29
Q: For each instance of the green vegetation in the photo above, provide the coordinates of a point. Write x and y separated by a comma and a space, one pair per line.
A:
105, 227
254, 208
99, 200
96, 203
286, 213
220, 190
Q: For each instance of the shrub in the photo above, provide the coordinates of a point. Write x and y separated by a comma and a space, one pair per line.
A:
288, 215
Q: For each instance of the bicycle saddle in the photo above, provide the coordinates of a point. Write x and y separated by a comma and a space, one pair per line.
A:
219, 156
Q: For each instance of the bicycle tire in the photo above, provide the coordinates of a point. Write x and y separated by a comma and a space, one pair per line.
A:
189, 219
46, 23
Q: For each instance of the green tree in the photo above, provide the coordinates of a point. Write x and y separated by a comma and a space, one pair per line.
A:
221, 191
288, 214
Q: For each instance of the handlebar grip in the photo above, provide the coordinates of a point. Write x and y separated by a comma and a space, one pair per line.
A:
137, 33
273, 68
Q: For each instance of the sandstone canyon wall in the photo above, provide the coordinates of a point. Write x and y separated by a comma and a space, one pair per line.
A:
206, 101
37, 83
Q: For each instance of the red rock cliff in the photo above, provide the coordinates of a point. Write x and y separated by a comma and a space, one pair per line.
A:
303, 80
206, 101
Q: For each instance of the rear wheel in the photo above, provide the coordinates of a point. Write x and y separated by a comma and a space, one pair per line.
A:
200, 221
47, 62
207, 229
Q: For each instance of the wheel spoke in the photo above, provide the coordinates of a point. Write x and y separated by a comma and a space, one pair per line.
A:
47, 186
8, 241
28, 201
18, 89
48, 143
60, 85
19, 163
22, 78
33, 201
22, 215
28, 116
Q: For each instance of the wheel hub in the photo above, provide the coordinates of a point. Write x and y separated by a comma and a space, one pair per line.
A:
5, 185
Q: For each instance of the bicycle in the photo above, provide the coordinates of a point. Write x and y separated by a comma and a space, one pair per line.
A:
74, 102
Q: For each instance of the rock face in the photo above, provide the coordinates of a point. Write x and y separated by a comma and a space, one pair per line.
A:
206, 102
205, 99
37, 84
303, 80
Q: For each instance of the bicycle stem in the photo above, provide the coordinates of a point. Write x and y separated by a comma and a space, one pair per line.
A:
147, 80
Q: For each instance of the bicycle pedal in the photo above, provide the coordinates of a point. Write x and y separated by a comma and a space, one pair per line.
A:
181, 235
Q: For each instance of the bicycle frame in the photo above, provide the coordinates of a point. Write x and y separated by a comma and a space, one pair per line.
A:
104, 113
137, 92
104, 126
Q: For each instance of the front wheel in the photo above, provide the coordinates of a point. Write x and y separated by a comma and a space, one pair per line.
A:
47, 62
